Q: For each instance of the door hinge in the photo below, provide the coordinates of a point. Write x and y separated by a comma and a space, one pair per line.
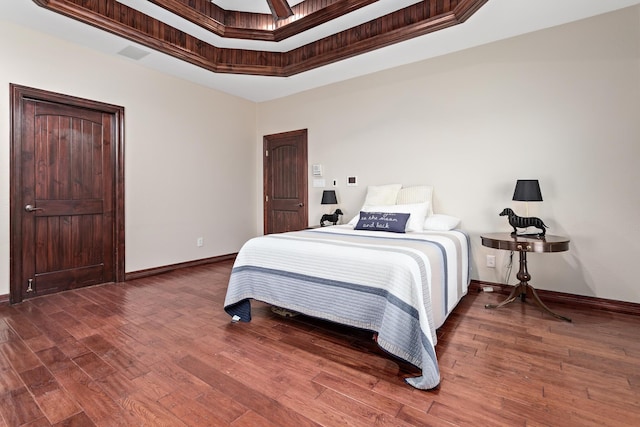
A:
266, 198
29, 285
266, 153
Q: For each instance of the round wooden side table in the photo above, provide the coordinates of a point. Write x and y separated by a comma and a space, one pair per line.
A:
523, 244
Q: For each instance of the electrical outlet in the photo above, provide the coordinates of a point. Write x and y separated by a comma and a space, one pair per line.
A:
200, 242
491, 261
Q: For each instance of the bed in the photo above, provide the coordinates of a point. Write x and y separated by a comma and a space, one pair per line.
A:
401, 285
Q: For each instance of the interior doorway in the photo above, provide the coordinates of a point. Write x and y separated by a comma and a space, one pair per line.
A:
285, 182
66, 193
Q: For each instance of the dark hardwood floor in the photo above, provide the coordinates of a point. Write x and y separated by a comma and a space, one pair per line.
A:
161, 351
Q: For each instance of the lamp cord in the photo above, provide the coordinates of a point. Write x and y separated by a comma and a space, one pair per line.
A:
507, 273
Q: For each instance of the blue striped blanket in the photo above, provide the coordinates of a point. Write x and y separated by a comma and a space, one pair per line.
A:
402, 286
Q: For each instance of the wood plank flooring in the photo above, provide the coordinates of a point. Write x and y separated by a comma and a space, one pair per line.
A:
160, 351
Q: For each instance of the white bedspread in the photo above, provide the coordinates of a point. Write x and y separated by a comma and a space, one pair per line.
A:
402, 286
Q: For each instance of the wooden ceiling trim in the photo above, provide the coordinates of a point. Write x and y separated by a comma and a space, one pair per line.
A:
280, 9
201, 12
412, 21
404, 24
259, 26
119, 19
224, 23
314, 13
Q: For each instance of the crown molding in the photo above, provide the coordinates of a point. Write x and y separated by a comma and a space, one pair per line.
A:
409, 22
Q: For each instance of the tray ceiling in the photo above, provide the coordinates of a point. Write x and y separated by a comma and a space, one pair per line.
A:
159, 29
239, 47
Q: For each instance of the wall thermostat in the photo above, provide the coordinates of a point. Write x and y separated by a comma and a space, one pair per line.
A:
316, 170
352, 180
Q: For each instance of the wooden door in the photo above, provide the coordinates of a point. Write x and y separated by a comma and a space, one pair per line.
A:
285, 182
66, 230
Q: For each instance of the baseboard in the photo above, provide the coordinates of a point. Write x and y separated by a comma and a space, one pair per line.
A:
475, 286
564, 298
4, 299
132, 275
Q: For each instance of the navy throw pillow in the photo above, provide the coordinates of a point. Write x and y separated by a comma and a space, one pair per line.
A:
381, 221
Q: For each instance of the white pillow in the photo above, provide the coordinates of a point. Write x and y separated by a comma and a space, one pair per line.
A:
417, 212
440, 222
382, 194
416, 194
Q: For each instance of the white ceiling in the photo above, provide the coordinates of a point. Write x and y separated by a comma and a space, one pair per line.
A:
256, 6
496, 20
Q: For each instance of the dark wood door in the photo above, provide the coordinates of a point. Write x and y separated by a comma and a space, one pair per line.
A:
285, 182
64, 168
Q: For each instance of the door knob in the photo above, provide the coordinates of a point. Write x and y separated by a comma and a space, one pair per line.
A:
30, 208
300, 204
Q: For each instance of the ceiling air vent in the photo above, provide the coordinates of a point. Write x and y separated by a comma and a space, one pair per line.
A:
133, 52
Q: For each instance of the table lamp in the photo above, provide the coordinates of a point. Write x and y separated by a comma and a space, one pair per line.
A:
329, 198
527, 190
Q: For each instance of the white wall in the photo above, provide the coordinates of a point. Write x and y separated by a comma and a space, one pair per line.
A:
561, 105
188, 149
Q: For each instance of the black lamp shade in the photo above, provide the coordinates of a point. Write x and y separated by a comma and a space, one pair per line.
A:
527, 190
329, 198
